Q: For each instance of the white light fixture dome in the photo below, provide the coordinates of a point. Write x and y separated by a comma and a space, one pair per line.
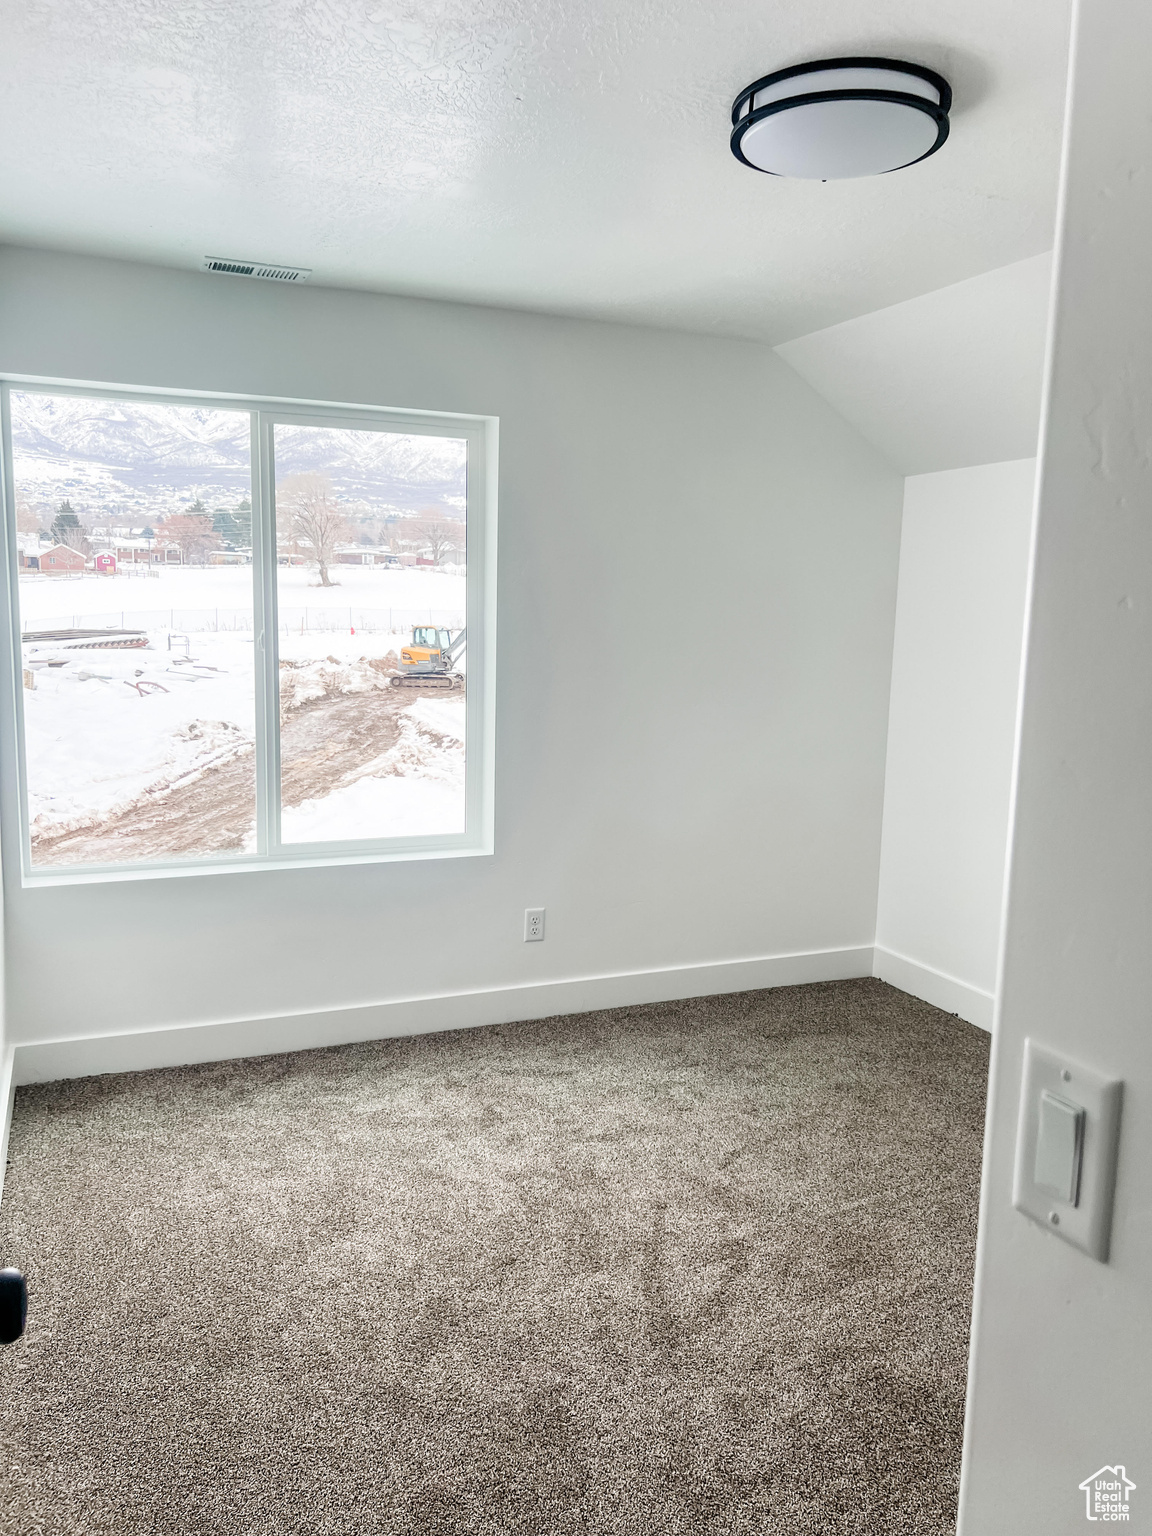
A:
838, 118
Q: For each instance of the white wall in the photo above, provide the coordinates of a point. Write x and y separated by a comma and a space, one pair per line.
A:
7, 1078
673, 803
1062, 1346
948, 387
943, 381
951, 731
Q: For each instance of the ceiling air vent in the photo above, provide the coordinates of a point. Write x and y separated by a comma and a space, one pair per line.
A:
271, 273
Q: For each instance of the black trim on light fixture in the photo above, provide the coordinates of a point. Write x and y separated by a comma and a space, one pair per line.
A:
937, 111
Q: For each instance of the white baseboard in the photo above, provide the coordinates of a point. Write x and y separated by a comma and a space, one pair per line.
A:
7, 1094
935, 987
180, 1045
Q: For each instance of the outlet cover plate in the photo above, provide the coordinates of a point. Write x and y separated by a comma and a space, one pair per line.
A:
1087, 1224
533, 925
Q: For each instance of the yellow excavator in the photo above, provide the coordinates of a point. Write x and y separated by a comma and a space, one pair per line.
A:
429, 660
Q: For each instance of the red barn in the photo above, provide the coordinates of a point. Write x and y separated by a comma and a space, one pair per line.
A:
106, 564
62, 561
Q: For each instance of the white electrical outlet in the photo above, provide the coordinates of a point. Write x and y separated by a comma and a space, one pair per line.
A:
533, 924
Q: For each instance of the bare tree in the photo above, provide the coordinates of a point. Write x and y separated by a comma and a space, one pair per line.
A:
439, 535
307, 510
28, 519
193, 536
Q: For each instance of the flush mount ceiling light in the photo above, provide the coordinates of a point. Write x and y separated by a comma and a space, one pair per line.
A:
838, 118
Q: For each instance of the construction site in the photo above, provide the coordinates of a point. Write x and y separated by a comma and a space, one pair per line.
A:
139, 722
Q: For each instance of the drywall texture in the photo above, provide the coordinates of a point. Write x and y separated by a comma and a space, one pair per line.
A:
697, 585
951, 729
1062, 1345
960, 367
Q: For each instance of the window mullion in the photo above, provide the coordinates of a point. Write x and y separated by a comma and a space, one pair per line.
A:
265, 634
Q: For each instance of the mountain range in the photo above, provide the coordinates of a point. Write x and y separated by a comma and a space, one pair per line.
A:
142, 458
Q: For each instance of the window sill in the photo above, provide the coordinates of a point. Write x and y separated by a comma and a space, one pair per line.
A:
102, 874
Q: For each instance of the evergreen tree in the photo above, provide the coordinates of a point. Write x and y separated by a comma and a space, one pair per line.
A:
67, 528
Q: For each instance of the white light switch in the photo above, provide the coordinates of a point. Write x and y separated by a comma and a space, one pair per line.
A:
1066, 1145
1058, 1140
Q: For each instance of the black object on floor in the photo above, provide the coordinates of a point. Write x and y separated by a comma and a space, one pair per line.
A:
13, 1305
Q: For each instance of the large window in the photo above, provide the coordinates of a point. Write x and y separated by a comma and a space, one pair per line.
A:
243, 633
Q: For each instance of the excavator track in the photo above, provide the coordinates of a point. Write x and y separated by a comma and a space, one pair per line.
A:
425, 680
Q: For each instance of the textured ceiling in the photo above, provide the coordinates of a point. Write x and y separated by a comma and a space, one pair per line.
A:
567, 155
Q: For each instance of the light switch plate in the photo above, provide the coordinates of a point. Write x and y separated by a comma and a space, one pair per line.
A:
1084, 1219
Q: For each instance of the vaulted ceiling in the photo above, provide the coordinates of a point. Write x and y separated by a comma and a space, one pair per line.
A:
944, 380
566, 155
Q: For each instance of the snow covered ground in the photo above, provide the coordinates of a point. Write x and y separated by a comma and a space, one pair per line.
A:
197, 598
416, 788
106, 729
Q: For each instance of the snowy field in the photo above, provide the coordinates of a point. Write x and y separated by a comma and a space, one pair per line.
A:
110, 731
105, 726
188, 597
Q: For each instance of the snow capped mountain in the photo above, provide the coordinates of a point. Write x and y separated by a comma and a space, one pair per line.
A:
105, 454
400, 469
130, 438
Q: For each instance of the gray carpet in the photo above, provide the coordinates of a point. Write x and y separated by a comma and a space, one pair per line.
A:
695, 1267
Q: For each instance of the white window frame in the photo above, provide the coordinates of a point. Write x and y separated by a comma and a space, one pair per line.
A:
481, 436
